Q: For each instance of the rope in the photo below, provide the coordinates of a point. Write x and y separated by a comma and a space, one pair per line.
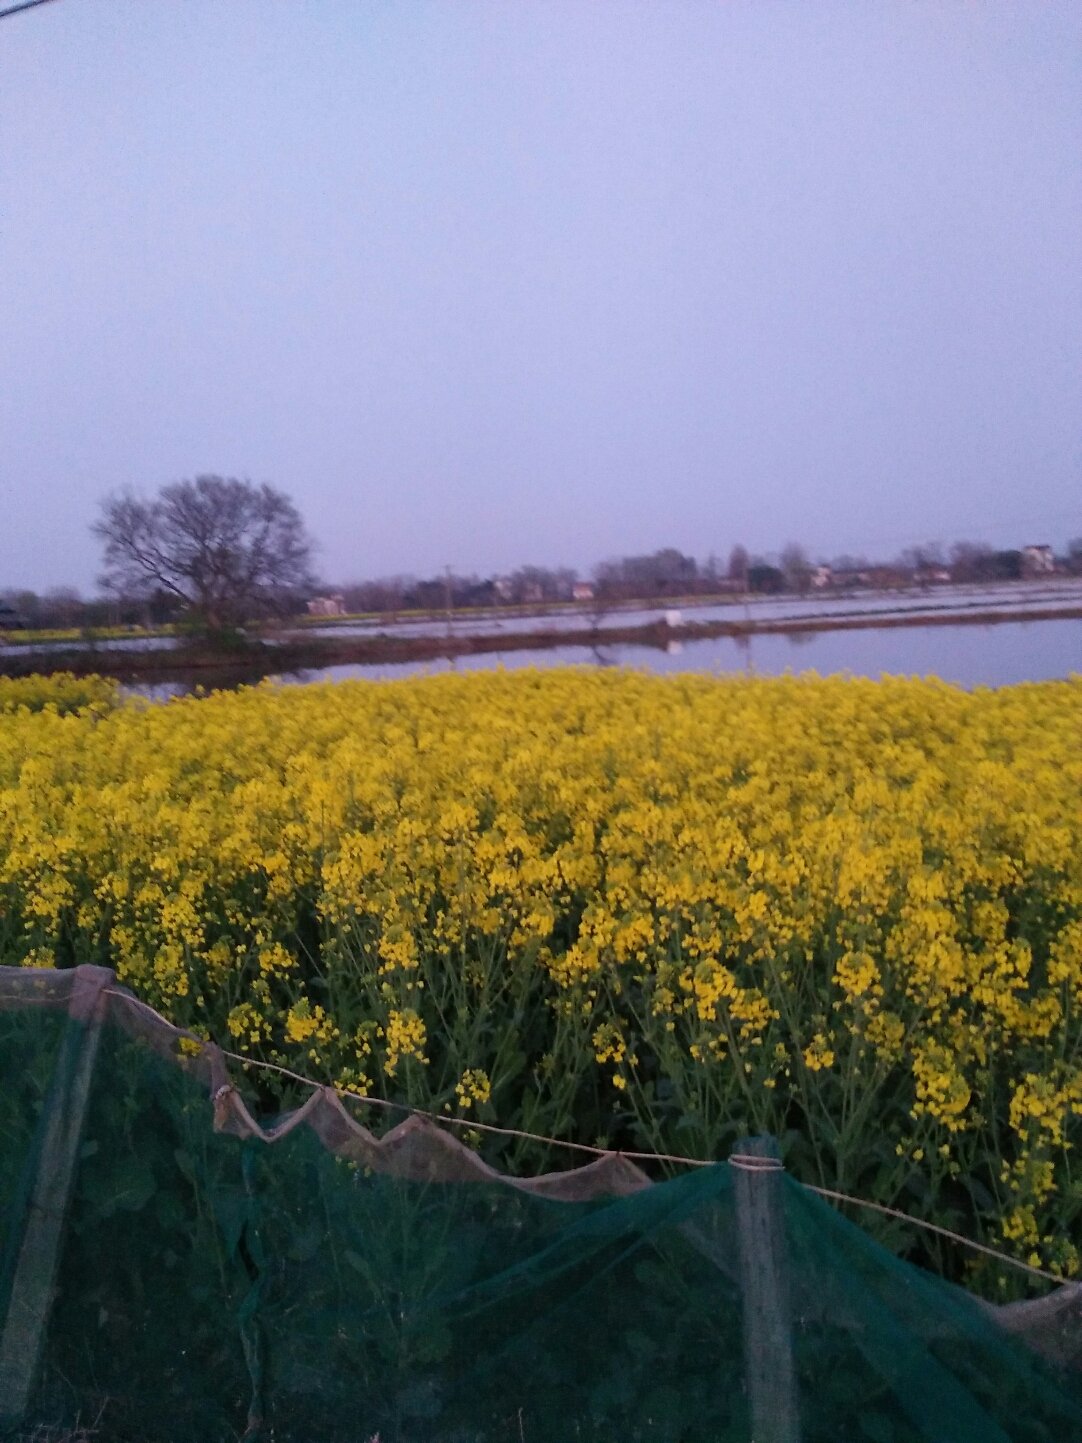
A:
747, 1162
469, 1123
10, 1001
935, 1228
382, 1102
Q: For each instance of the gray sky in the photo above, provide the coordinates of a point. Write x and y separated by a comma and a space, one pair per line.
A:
487, 283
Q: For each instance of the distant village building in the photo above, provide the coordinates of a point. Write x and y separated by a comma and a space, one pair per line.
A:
1037, 561
888, 578
504, 587
850, 577
878, 578
821, 576
327, 605
582, 591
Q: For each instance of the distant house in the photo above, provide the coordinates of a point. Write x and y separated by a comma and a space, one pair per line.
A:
327, 605
871, 578
851, 578
931, 575
582, 591
889, 578
821, 576
504, 587
1037, 561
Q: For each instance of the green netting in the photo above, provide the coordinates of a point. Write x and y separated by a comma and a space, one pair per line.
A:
329, 1286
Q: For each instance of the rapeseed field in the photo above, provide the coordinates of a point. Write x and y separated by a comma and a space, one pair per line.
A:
655, 913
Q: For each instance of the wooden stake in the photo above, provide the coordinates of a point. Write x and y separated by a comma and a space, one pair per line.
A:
769, 1373
39, 1232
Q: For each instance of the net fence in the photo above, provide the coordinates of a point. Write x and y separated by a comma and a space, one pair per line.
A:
178, 1266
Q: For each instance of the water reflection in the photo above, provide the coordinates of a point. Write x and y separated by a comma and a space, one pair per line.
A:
969, 656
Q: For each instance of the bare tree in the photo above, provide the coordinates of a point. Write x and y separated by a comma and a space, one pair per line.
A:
970, 561
63, 606
922, 558
228, 550
738, 565
796, 567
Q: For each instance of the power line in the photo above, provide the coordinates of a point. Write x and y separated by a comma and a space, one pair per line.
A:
23, 5
472, 1124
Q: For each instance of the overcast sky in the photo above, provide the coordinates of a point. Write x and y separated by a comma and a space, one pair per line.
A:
488, 283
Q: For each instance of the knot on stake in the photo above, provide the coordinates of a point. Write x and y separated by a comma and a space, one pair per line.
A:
750, 1163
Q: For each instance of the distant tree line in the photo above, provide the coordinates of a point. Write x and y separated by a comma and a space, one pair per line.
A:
64, 608
216, 552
